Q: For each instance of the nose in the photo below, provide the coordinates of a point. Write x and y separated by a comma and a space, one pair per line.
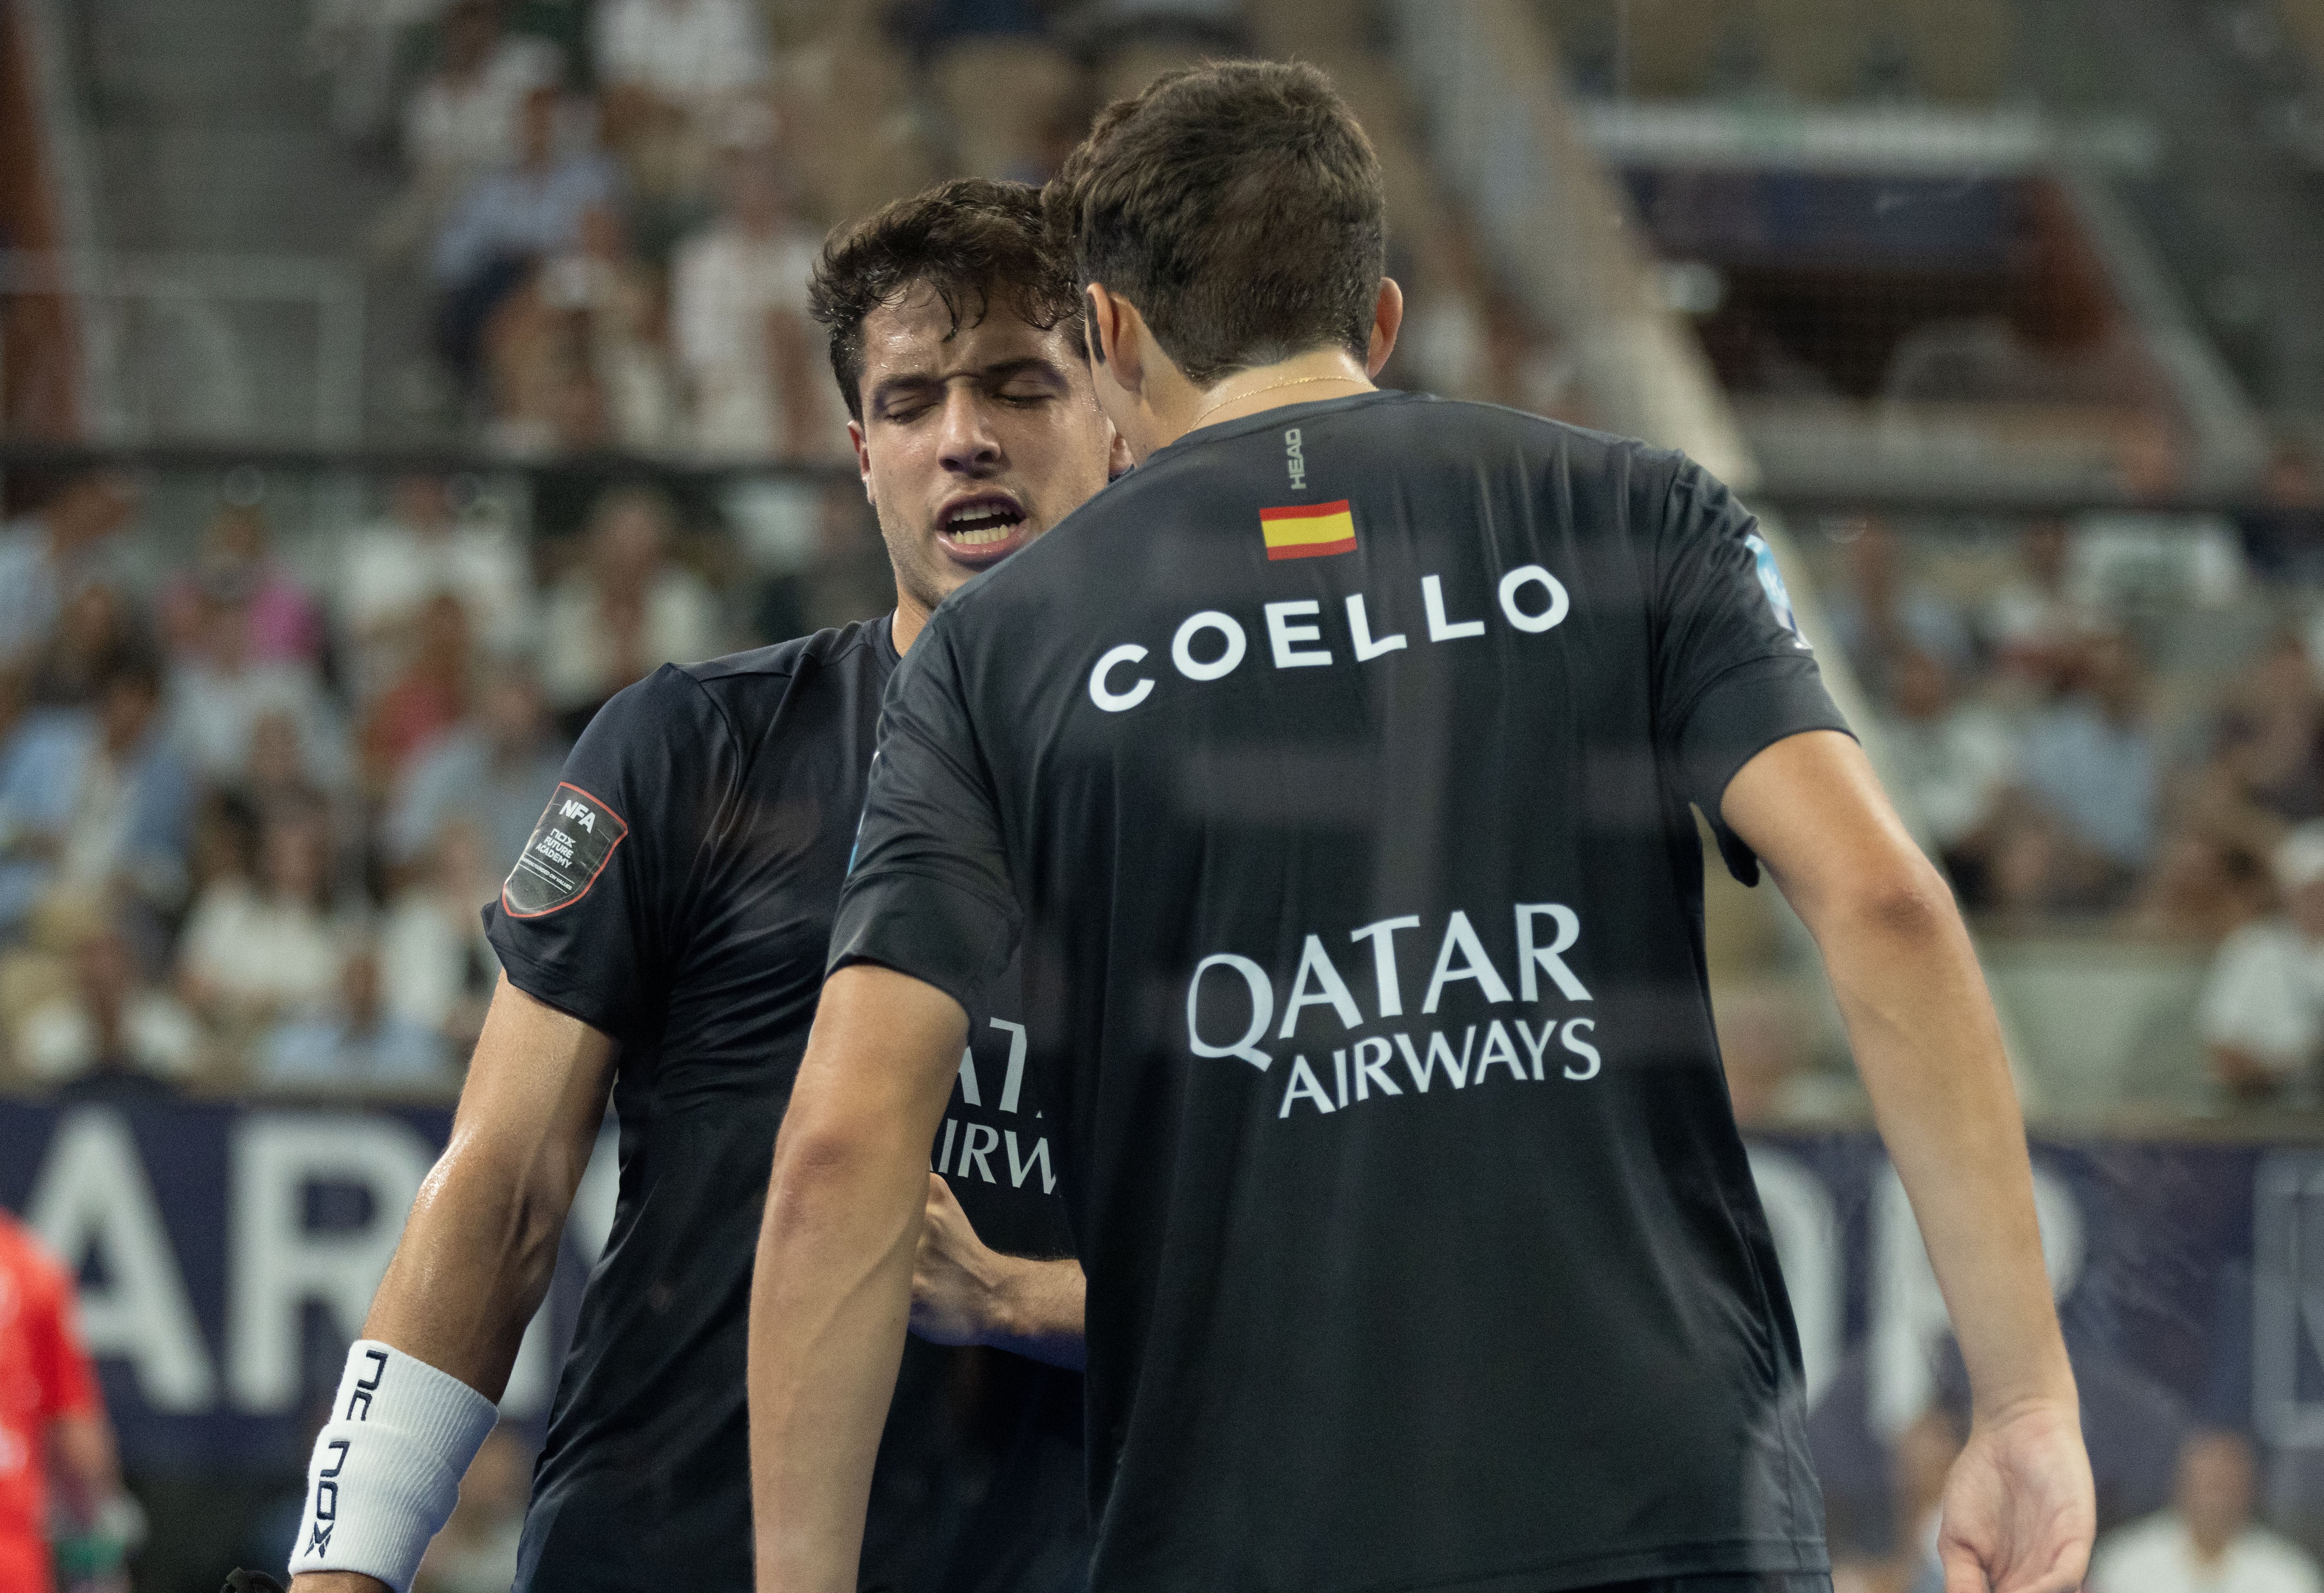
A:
968, 443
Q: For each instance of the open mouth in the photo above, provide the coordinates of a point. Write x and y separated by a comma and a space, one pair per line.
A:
983, 529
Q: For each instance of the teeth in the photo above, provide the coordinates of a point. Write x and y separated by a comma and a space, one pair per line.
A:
980, 536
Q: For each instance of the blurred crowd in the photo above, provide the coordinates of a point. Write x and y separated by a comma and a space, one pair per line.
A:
615, 205
250, 811
2117, 722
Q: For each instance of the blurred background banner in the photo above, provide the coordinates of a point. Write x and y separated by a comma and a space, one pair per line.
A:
228, 1253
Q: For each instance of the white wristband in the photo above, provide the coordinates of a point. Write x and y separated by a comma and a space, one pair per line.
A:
387, 1467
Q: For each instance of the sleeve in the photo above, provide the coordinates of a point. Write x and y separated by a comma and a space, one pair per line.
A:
1733, 676
594, 915
929, 891
67, 1377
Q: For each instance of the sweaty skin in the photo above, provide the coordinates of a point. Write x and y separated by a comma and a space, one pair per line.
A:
998, 417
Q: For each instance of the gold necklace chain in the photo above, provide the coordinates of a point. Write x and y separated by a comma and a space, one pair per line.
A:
1270, 387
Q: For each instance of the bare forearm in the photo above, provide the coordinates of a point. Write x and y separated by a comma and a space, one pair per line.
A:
1042, 1305
474, 1264
830, 1296
1929, 1048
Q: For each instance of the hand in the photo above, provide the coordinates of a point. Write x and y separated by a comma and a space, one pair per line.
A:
957, 1283
337, 1581
2019, 1510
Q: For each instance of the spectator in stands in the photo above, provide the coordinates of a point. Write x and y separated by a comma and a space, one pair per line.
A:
2088, 762
436, 968
462, 120
221, 691
507, 222
253, 949
494, 773
970, 45
668, 69
738, 313
2266, 768
99, 625
2202, 890
283, 623
422, 547
2284, 536
1761, 1036
94, 803
1132, 40
578, 356
1952, 764
54, 551
2208, 1538
629, 609
352, 1041
476, 1550
1883, 614
2262, 1016
110, 1032
2034, 622
426, 701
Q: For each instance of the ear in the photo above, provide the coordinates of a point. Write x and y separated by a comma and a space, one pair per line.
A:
862, 459
1388, 320
1118, 462
1116, 329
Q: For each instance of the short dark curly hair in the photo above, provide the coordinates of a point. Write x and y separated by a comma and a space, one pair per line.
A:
972, 241
1239, 206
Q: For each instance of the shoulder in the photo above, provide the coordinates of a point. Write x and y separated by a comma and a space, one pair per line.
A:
750, 686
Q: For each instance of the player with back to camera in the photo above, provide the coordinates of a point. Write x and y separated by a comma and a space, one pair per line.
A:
664, 939
1335, 769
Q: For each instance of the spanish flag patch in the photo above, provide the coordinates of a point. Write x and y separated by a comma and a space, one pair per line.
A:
1308, 530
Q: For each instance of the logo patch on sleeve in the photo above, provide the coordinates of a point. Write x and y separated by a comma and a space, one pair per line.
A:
568, 849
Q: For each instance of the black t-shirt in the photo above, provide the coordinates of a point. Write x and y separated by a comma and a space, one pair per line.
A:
1336, 768
678, 895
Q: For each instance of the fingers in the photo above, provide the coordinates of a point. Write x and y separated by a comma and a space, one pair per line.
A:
1964, 1571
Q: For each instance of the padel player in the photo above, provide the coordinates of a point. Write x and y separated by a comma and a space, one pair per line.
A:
664, 938
1336, 768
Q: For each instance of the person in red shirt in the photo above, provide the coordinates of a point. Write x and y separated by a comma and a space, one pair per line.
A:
51, 1413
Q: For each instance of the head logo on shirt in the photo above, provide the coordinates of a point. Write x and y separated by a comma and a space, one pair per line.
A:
1779, 597
569, 848
1308, 530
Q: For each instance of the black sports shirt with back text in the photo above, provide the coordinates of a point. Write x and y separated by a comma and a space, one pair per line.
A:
678, 896
1335, 769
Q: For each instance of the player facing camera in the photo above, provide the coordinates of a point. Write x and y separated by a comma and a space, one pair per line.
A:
663, 938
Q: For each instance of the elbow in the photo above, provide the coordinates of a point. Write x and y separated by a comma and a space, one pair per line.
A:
1902, 902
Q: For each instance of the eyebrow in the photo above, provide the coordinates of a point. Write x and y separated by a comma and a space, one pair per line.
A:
999, 371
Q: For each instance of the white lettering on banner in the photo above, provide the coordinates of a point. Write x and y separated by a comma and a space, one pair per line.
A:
280, 1266
1806, 1232
93, 1198
2287, 1299
1908, 1313
1283, 637
1292, 645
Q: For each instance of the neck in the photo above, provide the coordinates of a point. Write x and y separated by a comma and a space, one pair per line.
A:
910, 618
1303, 379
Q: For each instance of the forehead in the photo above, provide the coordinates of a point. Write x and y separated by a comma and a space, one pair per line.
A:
913, 335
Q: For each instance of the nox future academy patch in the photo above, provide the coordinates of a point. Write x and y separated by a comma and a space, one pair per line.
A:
568, 849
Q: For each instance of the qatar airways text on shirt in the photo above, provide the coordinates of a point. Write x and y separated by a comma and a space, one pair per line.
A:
1233, 1003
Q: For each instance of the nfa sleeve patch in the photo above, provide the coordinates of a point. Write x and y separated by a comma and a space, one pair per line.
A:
568, 849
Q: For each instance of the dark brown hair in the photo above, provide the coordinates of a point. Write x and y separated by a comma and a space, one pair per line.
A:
972, 240
1239, 206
